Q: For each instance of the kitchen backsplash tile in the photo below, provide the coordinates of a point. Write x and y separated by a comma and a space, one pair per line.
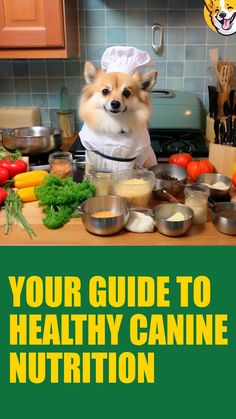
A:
184, 63
195, 69
95, 19
196, 36
176, 36
38, 85
20, 68
134, 36
175, 53
160, 4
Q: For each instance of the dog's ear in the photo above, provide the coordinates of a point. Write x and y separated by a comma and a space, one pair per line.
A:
147, 80
209, 4
90, 72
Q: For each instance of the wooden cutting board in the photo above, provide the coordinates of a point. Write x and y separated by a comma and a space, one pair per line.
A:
19, 116
222, 157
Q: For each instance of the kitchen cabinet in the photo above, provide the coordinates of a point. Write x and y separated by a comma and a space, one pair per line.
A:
38, 29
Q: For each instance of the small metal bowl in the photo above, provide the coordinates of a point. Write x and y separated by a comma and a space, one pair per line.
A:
104, 226
174, 187
211, 179
223, 216
172, 228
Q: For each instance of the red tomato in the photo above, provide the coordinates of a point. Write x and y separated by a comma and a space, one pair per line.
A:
6, 164
3, 195
182, 159
17, 166
13, 166
196, 168
234, 179
4, 176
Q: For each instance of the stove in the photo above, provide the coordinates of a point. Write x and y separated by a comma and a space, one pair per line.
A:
39, 162
167, 142
177, 124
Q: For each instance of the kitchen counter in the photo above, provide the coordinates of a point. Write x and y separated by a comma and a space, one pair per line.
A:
75, 234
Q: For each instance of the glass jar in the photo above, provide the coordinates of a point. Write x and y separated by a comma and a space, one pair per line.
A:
196, 197
102, 179
61, 163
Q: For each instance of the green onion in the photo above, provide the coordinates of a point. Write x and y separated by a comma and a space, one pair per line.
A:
13, 209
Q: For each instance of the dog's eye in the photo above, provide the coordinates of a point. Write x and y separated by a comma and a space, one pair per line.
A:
105, 92
126, 93
230, 8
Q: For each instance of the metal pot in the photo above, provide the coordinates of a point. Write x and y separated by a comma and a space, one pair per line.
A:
31, 140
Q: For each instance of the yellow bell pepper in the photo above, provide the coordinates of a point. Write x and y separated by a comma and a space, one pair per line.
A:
33, 178
27, 194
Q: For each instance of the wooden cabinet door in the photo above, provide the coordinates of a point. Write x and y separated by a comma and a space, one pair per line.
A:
31, 23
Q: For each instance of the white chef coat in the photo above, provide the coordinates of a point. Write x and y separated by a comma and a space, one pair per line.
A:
135, 145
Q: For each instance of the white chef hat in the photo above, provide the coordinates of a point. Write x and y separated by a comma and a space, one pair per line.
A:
124, 59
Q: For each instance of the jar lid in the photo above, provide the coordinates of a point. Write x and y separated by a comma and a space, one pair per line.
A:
101, 173
60, 155
197, 189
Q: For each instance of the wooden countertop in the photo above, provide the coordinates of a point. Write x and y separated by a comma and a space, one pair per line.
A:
74, 234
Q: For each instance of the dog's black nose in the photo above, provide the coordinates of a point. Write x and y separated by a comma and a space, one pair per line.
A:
115, 104
222, 15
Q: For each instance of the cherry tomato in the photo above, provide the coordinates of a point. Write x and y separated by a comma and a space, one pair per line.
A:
4, 176
196, 168
181, 159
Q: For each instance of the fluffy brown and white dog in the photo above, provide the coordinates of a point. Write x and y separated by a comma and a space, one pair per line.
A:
115, 108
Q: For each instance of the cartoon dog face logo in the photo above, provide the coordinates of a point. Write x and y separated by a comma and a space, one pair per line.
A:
221, 16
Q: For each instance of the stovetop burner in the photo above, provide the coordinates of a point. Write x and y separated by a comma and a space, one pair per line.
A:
39, 162
166, 142
38, 159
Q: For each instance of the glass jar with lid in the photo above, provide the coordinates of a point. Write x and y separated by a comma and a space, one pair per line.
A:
196, 197
61, 163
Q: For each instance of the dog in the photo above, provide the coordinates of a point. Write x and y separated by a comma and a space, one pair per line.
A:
115, 108
222, 15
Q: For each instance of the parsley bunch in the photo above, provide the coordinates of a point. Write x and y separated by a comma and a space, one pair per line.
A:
61, 197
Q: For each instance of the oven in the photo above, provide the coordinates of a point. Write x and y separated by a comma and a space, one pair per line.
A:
177, 124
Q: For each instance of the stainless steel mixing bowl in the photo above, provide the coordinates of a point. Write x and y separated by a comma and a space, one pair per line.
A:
223, 216
104, 226
162, 212
174, 187
213, 178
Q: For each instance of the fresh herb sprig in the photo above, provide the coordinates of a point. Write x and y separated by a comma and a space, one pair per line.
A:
14, 215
